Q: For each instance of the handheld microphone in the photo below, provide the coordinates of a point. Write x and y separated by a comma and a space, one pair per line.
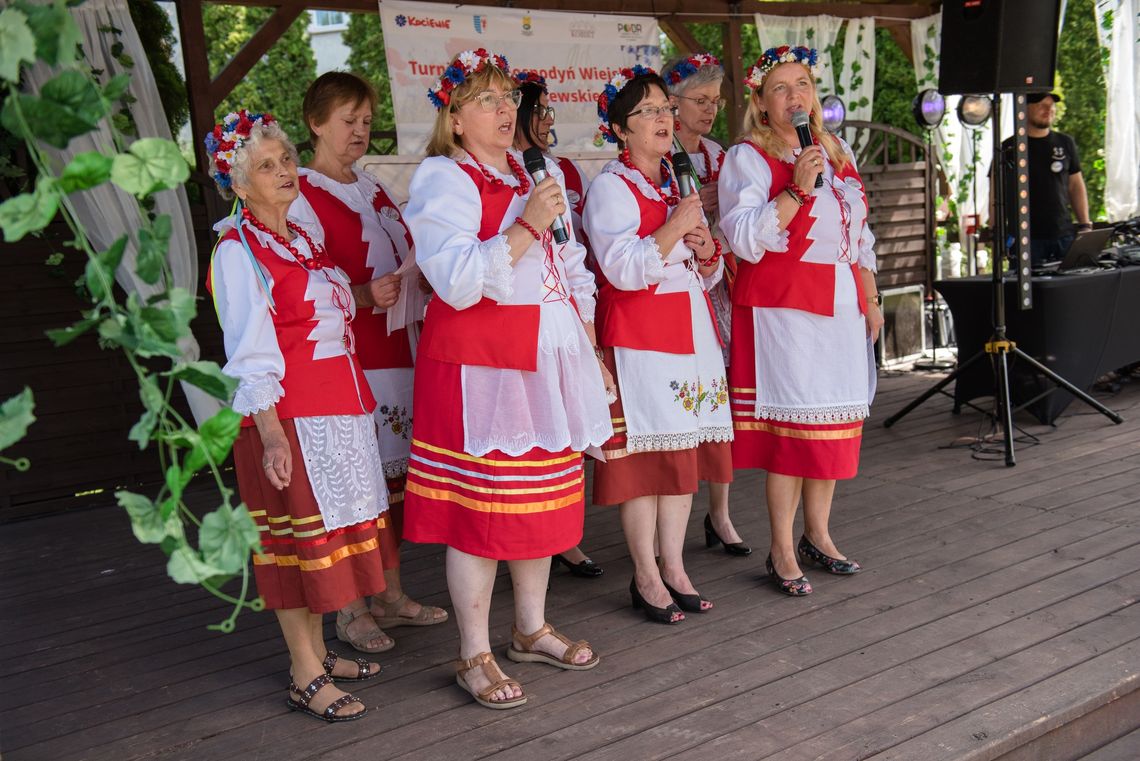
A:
535, 165
803, 132
683, 168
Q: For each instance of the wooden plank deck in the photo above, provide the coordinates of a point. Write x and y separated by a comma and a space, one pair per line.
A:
996, 618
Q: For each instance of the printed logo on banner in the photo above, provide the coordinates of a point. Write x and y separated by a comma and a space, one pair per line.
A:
629, 31
432, 23
480, 24
582, 29
526, 27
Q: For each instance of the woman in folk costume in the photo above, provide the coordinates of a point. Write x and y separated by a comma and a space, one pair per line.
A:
285, 311
804, 304
534, 128
508, 390
366, 237
656, 258
694, 85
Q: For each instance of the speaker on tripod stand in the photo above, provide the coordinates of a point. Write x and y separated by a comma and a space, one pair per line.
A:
1002, 46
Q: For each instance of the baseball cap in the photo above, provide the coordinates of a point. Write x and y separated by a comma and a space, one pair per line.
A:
1037, 97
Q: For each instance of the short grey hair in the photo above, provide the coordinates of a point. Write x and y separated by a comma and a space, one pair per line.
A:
703, 76
239, 168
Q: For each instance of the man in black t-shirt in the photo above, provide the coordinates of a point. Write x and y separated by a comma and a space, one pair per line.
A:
1056, 186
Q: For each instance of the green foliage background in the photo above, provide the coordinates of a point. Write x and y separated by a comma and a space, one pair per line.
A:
277, 82
365, 41
1080, 79
157, 34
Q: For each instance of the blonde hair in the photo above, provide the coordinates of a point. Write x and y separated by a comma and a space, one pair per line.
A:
443, 141
756, 130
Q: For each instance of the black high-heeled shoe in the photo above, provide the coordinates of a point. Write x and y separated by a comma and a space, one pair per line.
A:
739, 549
693, 603
587, 569
791, 587
809, 551
664, 615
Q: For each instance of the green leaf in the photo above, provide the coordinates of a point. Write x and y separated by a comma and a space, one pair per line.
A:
206, 376
77, 92
187, 567
85, 171
64, 336
15, 417
29, 212
57, 35
215, 438
175, 481
48, 121
147, 522
153, 402
17, 43
153, 243
227, 537
117, 87
152, 164
99, 274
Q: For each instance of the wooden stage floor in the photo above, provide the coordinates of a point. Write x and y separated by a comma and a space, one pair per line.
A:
997, 609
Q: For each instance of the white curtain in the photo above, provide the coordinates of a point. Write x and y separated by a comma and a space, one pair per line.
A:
107, 212
858, 86
1122, 120
819, 32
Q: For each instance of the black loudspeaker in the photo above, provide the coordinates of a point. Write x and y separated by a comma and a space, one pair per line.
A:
998, 46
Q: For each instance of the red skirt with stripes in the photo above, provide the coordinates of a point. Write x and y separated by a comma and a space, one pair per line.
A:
824, 451
493, 505
303, 566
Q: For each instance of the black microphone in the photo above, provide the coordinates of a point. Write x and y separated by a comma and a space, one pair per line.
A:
803, 132
535, 164
683, 168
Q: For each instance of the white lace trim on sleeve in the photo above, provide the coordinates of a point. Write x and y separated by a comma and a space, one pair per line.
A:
769, 235
586, 305
498, 273
654, 265
867, 258
257, 396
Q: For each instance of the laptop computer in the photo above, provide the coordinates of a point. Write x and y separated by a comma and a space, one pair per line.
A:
1084, 253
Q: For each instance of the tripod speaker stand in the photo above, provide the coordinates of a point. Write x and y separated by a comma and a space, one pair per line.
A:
1000, 347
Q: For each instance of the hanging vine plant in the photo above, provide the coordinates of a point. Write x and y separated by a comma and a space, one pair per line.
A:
208, 551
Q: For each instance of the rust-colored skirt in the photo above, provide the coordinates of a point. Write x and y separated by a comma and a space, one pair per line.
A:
303, 566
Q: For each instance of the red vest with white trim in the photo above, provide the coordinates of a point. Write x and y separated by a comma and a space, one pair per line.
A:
344, 240
780, 279
332, 385
487, 333
645, 319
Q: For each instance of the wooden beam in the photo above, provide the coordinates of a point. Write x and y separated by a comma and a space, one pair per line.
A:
731, 33
676, 31
252, 51
197, 75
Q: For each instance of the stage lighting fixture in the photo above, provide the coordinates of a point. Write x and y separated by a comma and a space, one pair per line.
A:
929, 108
974, 110
834, 113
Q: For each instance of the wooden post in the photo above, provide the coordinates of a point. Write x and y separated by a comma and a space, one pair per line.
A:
676, 31
734, 76
198, 91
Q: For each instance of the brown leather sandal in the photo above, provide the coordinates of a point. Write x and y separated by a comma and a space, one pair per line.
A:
528, 654
330, 713
343, 619
429, 615
494, 675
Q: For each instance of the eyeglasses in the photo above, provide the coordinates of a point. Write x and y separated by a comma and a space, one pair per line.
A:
489, 101
703, 103
544, 112
652, 112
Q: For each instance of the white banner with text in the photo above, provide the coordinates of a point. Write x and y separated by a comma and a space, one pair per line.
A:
576, 52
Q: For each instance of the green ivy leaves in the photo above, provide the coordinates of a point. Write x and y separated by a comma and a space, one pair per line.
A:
15, 417
17, 44
152, 164
29, 212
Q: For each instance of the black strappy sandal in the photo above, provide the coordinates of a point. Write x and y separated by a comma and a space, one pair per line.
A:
364, 668
330, 713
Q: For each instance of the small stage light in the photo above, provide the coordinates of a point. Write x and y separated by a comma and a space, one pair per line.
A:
929, 108
834, 113
974, 110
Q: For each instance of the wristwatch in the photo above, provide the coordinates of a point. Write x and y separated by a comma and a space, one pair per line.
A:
877, 299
